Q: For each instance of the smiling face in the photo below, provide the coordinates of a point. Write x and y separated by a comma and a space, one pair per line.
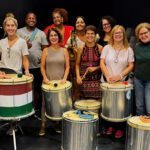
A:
144, 35
10, 27
57, 19
106, 25
31, 20
53, 38
90, 36
118, 35
80, 24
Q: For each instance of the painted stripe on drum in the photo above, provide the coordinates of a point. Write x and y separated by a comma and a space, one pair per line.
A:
15, 100
16, 111
15, 89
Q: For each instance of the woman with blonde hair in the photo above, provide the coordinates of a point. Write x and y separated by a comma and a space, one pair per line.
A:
142, 69
116, 63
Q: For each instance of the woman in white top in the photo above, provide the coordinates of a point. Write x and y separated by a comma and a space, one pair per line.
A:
14, 51
116, 62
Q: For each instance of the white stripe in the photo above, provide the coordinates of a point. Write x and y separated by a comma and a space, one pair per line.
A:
15, 100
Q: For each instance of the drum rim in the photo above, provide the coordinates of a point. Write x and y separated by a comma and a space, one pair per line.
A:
53, 118
115, 119
137, 126
86, 120
49, 90
13, 82
87, 107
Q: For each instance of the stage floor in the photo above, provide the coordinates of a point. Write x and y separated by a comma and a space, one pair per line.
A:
51, 141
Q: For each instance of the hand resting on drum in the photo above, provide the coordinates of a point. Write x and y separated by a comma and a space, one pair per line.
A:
63, 81
113, 79
3, 75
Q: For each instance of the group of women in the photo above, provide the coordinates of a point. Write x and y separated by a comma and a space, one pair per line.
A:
106, 57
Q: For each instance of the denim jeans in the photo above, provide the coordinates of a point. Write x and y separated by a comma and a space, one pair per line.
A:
142, 96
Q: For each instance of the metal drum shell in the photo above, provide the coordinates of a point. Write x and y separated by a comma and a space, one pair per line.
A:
138, 135
57, 102
117, 103
79, 134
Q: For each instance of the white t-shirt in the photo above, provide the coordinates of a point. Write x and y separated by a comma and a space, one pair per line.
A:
12, 57
116, 61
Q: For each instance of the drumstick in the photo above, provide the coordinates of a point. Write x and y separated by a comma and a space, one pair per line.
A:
85, 74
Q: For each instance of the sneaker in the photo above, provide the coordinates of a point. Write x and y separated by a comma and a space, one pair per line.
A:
119, 134
109, 131
42, 131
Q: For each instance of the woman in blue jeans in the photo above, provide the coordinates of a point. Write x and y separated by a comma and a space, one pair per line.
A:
142, 69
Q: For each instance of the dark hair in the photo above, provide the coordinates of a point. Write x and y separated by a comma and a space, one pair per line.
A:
63, 12
112, 22
30, 12
57, 32
92, 28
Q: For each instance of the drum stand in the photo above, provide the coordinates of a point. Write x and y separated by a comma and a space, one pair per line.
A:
13, 127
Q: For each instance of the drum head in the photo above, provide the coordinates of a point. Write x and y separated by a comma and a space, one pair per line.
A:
88, 104
136, 122
15, 80
119, 86
73, 116
56, 85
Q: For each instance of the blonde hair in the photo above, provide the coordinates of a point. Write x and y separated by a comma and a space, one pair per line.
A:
10, 18
9, 14
125, 40
140, 26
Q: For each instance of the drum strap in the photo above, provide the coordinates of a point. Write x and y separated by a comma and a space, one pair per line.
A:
32, 37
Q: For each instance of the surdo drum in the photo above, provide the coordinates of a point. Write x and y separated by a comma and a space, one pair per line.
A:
79, 131
16, 97
116, 101
89, 105
57, 98
138, 134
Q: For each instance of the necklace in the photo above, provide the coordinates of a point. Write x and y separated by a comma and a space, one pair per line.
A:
116, 56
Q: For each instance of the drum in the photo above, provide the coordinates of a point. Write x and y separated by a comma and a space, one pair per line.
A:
16, 97
116, 101
89, 105
138, 134
79, 133
57, 98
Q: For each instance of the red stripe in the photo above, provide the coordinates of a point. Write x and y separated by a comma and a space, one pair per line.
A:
15, 89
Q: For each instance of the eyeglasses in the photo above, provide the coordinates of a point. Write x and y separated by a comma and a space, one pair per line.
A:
144, 33
116, 33
106, 24
8, 52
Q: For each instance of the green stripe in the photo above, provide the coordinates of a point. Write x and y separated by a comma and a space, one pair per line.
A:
16, 111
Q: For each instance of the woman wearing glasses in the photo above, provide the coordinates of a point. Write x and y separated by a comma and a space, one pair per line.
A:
14, 51
142, 69
116, 62
106, 25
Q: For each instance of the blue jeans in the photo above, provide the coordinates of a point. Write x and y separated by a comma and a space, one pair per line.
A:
142, 96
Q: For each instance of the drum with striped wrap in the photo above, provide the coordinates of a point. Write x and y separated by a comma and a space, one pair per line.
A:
116, 101
79, 132
16, 97
57, 98
138, 134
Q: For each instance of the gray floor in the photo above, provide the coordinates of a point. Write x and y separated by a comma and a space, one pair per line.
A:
51, 141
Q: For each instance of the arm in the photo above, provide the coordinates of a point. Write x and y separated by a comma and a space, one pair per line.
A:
67, 67
79, 79
25, 62
104, 69
43, 62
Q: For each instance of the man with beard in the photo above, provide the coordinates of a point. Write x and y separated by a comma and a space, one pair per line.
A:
36, 41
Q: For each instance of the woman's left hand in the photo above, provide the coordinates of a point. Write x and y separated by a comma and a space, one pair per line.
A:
115, 78
28, 74
91, 69
63, 81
